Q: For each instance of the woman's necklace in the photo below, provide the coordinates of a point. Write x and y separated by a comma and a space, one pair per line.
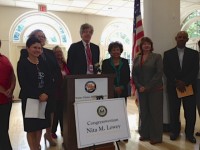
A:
33, 61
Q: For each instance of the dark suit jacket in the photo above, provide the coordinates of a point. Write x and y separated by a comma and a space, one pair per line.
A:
107, 68
77, 62
173, 71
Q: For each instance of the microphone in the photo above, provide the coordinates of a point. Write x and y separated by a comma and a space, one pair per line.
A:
97, 67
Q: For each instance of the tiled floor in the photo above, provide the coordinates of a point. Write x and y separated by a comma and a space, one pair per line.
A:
19, 142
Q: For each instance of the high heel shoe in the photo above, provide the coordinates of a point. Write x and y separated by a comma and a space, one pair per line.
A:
49, 139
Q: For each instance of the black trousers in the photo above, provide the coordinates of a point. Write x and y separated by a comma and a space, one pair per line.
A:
189, 107
4, 126
58, 116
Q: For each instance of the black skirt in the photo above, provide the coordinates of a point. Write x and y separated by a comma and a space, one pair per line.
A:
34, 124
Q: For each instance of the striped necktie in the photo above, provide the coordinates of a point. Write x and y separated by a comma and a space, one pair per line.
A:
89, 54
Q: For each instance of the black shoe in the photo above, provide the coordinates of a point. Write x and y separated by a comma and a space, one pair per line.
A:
155, 142
197, 134
192, 139
173, 137
143, 139
125, 140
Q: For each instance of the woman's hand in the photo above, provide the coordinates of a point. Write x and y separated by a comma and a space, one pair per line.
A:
9, 93
43, 97
118, 90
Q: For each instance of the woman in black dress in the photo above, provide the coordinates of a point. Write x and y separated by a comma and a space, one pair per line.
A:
49, 58
35, 83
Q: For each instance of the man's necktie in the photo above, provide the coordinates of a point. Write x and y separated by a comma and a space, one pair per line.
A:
89, 54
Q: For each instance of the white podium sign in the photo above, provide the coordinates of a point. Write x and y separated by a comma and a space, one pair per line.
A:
91, 89
101, 121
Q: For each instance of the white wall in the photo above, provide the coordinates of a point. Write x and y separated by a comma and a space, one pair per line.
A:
72, 20
8, 15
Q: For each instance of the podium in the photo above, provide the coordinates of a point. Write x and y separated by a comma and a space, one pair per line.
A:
69, 125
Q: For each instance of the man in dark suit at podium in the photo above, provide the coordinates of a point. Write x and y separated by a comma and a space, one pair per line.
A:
83, 56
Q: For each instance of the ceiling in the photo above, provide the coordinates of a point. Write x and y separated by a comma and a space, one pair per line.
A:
113, 8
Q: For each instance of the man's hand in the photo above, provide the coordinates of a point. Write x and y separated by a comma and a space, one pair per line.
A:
180, 85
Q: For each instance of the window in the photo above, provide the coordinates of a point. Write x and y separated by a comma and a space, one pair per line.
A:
54, 29
191, 24
118, 31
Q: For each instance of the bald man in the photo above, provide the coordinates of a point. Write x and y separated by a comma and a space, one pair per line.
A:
181, 66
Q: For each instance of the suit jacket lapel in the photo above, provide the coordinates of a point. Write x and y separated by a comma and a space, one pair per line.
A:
176, 59
185, 59
82, 52
93, 52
